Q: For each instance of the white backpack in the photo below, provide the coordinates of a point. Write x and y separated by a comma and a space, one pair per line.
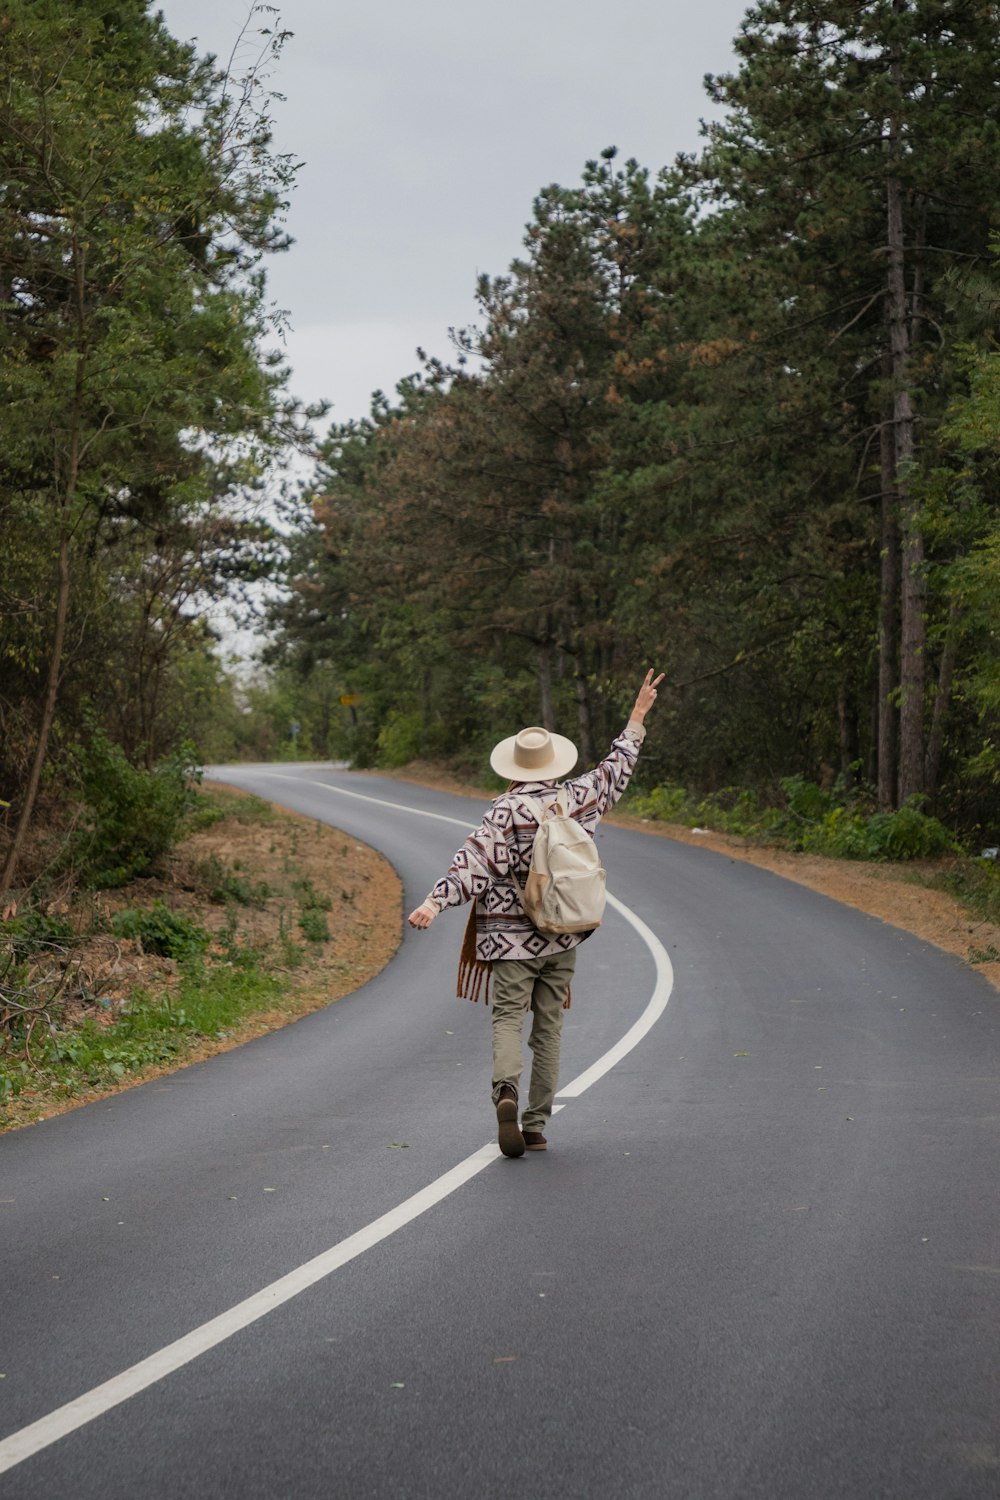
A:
565, 887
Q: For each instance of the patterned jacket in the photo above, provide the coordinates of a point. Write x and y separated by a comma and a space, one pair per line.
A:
492, 865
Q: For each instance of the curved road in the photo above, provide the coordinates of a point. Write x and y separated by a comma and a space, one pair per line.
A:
760, 1258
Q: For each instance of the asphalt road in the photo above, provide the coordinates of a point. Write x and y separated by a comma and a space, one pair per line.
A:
760, 1258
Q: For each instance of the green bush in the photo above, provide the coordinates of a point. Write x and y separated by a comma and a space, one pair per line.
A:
32, 932
839, 834
161, 931
309, 897
313, 925
908, 834
806, 801
813, 821
400, 739
134, 815
226, 885
844, 833
668, 804
204, 812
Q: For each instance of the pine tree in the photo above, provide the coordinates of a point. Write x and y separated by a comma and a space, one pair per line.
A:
860, 161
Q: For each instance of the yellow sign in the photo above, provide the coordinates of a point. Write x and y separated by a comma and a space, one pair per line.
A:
349, 699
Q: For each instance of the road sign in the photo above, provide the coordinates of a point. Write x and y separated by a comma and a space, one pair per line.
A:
349, 699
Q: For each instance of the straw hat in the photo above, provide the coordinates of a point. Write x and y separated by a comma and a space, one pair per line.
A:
534, 755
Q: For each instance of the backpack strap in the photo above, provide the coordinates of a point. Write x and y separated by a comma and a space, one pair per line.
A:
540, 811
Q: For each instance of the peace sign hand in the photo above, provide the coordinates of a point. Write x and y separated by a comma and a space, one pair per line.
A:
647, 696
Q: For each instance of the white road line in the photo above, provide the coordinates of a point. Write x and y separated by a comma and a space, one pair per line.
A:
655, 1006
77, 1413
341, 791
21, 1445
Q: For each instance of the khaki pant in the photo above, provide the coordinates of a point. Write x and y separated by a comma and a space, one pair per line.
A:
539, 985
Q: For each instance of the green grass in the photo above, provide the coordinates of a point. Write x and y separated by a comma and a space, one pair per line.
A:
975, 883
211, 999
309, 897
312, 911
213, 805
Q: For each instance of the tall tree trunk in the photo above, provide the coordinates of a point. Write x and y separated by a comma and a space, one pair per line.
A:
325, 712
545, 703
51, 686
911, 647
942, 700
874, 719
584, 731
913, 587
848, 727
65, 484
888, 662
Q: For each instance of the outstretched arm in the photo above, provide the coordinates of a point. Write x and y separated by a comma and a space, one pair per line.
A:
479, 861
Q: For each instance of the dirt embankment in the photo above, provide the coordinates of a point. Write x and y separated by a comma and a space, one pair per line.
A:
320, 911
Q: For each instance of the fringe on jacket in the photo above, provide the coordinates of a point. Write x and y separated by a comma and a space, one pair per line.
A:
474, 973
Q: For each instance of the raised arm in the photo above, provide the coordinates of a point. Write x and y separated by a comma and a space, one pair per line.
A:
646, 697
596, 791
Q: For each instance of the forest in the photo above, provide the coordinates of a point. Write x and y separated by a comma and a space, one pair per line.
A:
736, 417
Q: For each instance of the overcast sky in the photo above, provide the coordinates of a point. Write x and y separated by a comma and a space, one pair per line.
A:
426, 128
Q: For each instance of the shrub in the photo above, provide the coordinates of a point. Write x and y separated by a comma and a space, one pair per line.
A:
840, 834
668, 804
135, 815
813, 820
204, 812
806, 801
309, 897
400, 739
33, 932
161, 931
908, 834
225, 885
313, 925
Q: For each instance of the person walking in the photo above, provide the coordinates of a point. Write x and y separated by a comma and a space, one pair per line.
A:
530, 971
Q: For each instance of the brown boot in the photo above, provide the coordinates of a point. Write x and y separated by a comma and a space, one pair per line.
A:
509, 1137
534, 1140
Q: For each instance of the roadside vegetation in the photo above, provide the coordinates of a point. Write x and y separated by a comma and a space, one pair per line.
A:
808, 819
837, 825
126, 966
